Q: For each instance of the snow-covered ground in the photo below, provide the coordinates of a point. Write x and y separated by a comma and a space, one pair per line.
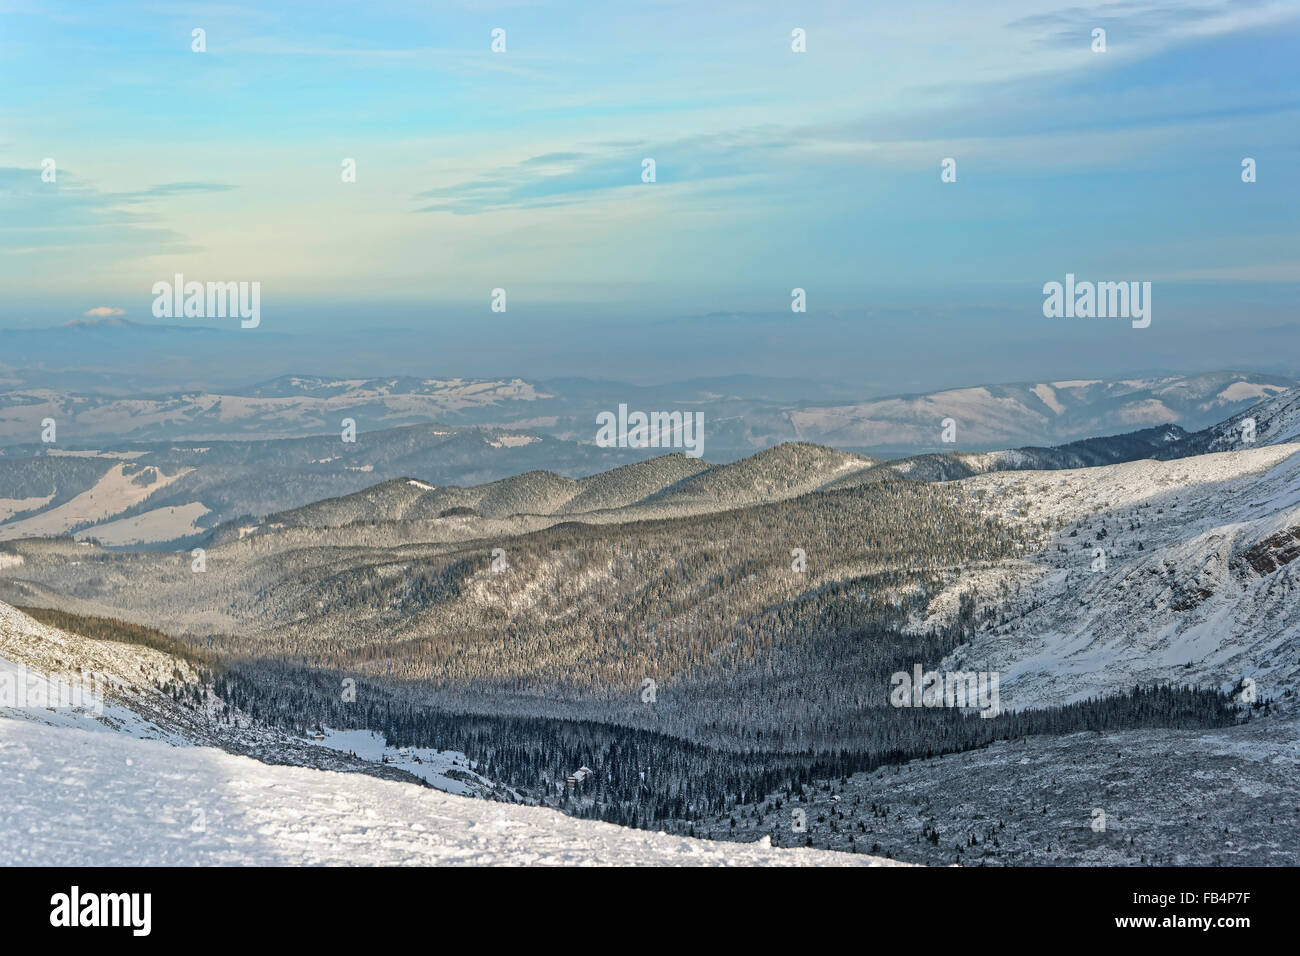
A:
133, 779
112, 494
157, 524
447, 770
71, 797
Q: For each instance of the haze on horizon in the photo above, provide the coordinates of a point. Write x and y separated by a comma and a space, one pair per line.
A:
775, 170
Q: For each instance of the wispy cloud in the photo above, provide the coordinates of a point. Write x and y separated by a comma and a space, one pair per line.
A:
70, 214
171, 189
603, 170
1144, 20
772, 168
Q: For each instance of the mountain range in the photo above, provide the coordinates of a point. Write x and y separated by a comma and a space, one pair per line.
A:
733, 627
742, 414
128, 493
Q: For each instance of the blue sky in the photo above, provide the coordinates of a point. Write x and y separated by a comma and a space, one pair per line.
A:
775, 169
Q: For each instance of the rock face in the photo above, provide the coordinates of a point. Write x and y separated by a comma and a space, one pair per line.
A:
1274, 551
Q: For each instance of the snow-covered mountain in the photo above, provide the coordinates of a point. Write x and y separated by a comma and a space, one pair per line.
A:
149, 493
1272, 421
741, 415
289, 407
1032, 413
179, 492
1177, 571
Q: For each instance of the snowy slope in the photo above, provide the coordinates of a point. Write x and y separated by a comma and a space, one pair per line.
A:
132, 778
1276, 420
1199, 583
126, 689
78, 798
447, 770
119, 682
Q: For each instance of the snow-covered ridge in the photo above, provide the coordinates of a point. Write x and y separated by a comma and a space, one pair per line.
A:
1180, 571
122, 677
1041, 413
1276, 420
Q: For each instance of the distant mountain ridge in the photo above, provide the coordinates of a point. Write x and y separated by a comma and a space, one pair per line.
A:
1022, 414
668, 484
1272, 421
676, 485
150, 493
742, 414
157, 493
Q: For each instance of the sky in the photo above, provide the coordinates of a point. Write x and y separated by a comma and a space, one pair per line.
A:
775, 170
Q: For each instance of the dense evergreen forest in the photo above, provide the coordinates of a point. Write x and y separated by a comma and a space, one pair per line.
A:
649, 779
778, 623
